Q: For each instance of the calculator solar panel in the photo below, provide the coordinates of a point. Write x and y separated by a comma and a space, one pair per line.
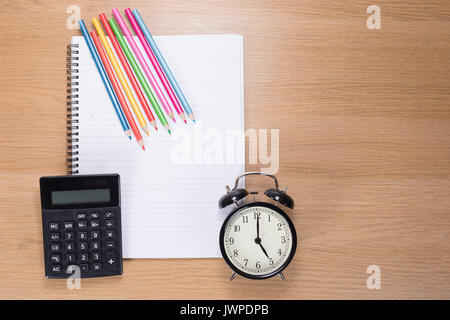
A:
81, 225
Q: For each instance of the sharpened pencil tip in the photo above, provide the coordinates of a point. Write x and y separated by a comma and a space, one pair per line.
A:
145, 128
141, 143
175, 121
185, 121
130, 138
169, 132
194, 121
143, 148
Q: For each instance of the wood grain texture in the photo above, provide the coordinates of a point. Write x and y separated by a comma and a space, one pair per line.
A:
364, 119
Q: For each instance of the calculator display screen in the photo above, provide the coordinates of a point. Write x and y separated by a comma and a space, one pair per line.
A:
86, 196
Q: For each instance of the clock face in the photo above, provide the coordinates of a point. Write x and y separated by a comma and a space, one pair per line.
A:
258, 240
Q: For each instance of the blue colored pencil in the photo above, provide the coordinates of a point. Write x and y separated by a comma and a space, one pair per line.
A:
106, 82
164, 65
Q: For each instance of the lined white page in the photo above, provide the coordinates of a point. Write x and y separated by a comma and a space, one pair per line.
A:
169, 193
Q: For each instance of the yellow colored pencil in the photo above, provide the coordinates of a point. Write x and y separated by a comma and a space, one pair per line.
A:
120, 75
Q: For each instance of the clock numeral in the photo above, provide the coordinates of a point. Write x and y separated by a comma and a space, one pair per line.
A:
231, 240
237, 228
268, 216
246, 261
256, 215
279, 226
279, 252
244, 219
270, 261
235, 253
283, 239
258, 265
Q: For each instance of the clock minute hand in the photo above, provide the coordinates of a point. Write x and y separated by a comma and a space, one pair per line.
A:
258, 239
257, 227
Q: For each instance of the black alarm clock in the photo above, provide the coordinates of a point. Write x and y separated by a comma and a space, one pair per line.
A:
257, 239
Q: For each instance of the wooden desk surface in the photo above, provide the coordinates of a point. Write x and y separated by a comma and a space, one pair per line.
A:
364, 119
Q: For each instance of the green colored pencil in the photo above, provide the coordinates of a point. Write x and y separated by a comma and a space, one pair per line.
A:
139, 74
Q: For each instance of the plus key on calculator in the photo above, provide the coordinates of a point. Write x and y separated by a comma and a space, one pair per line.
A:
81, 221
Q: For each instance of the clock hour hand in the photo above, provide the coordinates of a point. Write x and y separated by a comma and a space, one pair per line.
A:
258, 242
264, 250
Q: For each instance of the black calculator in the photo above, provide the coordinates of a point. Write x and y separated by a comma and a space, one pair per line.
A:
82, 225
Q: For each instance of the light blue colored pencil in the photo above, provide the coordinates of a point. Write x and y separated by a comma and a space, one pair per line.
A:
163, 64
106, 82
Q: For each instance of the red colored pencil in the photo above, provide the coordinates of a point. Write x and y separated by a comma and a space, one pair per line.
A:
117, 89
127, 68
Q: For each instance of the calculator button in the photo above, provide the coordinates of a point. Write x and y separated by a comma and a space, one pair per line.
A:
111, 260
69, 246
109, 223
110, 244
55, 258
110, 234
54, 236
94, 224
109, 214
82, 246
82, 225
55, 269
84, 267
84, 257
96, 267
95, 235
55, 247
82, 235
68, 225
68, 236
54, 225
81, 216
94, 215
95, 245
71, 268
70, 258
96, 256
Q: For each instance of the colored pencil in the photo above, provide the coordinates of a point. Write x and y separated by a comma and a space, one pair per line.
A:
164, 65
156, 65
138, 73
117, 89
143, 63
120, 75
105, 79
128, 71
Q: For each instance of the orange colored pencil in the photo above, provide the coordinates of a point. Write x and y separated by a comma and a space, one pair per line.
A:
117, 89
128, 71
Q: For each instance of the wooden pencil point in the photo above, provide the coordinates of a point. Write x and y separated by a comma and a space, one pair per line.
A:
141, 144
182, 117
145, 128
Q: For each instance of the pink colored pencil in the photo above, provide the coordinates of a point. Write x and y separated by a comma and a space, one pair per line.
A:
144, 65
155, 64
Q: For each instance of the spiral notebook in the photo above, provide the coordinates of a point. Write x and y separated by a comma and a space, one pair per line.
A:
169, 192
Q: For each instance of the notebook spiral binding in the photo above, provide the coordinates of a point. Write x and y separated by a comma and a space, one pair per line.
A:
72, 108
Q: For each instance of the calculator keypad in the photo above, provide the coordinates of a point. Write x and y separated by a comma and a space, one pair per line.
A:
88, 240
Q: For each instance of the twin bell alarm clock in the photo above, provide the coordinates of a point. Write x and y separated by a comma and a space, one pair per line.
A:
257, 239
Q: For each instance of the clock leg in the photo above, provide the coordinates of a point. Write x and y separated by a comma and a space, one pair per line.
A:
281, 276
233, 276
